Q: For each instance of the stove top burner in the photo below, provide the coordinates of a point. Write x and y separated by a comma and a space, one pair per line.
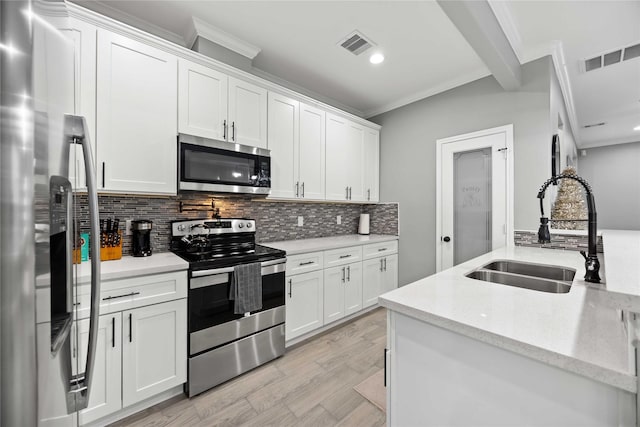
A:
206, 246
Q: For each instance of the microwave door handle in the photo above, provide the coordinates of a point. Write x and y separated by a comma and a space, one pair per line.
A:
80, 386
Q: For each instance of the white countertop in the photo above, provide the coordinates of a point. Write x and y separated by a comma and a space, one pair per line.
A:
293, 247
129, 266
578, 331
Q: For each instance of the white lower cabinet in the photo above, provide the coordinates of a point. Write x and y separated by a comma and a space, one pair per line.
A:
304, 303
154, 350
380, 275
326, 286
141, 351
104, 396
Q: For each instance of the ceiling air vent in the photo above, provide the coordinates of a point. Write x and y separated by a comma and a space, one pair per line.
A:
613, 57
632, 52
356, 43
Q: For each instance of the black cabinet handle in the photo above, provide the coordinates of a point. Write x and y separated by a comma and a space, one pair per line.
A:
303, 189
345, 256
290, 287
233, 131
224, 129
102, 174
343, 275
446, 238
113, 332
385, 264
347, 190
349, 274
382, 249
385, 366
121, 296
381, 265
369, 194
297, 188
130, 328
306, 263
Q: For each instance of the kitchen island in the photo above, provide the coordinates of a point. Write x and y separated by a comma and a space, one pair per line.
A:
469, 352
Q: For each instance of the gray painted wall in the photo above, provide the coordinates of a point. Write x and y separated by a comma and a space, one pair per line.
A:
408, 150
614, 175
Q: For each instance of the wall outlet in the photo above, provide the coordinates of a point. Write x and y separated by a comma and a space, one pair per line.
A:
127, 228
300, 221
339, 219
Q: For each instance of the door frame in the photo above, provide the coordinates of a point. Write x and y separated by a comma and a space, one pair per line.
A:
507, 130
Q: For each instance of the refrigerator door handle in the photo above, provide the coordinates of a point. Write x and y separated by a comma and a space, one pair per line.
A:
80, 386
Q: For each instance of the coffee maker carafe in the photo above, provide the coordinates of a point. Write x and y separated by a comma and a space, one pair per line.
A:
141, 237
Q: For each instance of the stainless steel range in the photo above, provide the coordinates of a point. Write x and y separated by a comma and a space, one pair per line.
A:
222, 344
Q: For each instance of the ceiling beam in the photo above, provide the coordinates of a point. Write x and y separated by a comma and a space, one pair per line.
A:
479, 26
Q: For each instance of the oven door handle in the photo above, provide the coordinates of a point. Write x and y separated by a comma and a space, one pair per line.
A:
268, 267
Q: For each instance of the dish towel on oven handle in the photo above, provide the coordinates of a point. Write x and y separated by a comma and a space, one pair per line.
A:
246, 288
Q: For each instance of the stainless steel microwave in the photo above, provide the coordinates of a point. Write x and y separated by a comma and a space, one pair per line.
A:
210, 165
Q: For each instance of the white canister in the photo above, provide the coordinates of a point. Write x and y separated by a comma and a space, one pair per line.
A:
363, 228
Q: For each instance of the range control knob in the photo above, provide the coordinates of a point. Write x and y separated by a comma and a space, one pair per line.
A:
241, 225
181, 227
249, 225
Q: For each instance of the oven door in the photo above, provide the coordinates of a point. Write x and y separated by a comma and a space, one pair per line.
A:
208, 165
212, 321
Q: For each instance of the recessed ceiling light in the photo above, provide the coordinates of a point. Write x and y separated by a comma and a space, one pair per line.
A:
376, 58
636, 128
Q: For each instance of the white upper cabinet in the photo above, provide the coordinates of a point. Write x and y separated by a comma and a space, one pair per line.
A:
371, 165
247, 116
345, 151
283, 139
136, 116
311, 156
297, 144
83, 36
202, 101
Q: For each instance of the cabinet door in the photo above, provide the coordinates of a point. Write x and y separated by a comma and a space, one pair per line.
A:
353, 289
283, 137
136, 116
154, 350
83, 36
334, 283
304, 303
371, 164
354, 153
372, 274
105, 394
311, 156
247, 114
390, 274
202, 101
337, 160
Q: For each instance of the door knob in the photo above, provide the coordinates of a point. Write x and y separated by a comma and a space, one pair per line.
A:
446, 238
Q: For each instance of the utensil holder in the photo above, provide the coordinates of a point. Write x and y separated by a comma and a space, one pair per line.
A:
110, 253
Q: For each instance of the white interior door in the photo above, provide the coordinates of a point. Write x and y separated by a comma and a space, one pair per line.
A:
474, 200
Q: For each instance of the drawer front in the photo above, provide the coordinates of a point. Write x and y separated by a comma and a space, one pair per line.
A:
124, 294
304, 263
379, 249
342, 256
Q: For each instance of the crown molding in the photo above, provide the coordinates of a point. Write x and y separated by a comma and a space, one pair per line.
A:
118, 15
505, 19
417, 96
200, 28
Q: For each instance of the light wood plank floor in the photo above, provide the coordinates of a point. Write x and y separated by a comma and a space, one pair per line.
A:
311, 385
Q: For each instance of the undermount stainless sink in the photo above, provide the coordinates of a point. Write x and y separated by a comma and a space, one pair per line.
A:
536, 277
529, 269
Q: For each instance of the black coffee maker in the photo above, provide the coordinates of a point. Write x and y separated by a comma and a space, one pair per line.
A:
141, 237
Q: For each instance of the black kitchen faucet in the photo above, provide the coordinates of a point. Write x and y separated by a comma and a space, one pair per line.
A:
592, 265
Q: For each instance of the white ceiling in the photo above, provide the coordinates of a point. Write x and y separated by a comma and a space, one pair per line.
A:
425, 53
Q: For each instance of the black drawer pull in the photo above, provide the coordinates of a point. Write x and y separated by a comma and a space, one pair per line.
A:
345, 256
382, 249
306, 263
121, 296
113, 332
130, 327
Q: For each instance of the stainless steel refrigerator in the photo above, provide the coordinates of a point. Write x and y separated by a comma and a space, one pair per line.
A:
44, 381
